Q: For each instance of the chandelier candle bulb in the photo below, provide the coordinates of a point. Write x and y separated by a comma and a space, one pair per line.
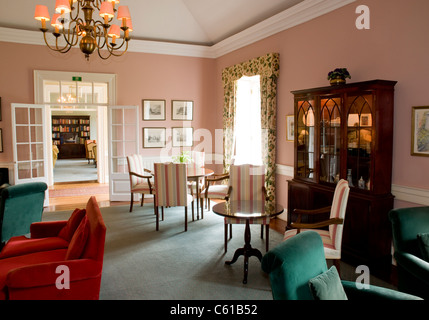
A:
62, 6
123, 15
42, 14
106, 11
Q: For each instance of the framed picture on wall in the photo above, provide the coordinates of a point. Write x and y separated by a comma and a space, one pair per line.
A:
154, 137
182, 110
1, 140
420, 131
0, 108
154, 110
290, 128
183, 137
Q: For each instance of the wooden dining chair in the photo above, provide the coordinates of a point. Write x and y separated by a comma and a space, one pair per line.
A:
171, 189
247, 182
332, 237
197, 165
140, 178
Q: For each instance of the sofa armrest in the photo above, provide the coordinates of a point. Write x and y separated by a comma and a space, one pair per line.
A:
44, 274
46, 229
374, 293
414, 265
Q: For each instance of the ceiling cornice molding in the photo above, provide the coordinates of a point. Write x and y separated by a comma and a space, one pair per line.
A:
301, 13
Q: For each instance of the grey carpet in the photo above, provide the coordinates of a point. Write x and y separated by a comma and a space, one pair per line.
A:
74, 170
140, 263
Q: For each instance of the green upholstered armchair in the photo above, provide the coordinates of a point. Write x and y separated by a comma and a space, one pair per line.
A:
20, 206
413, 270
294, 262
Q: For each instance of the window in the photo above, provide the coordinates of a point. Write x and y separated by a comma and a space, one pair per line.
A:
248, 122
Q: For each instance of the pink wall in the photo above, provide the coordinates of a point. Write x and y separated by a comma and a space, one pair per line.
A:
139, 76
395, 48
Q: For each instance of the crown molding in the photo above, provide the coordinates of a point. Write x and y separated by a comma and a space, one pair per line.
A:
301, 13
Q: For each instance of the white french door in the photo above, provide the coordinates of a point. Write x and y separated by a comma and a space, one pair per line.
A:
123, 141
29, 144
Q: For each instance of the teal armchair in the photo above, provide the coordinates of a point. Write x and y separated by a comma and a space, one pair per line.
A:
294, 262
413, 270
20, 206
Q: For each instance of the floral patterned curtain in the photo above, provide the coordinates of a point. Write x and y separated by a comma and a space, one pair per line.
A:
267, 67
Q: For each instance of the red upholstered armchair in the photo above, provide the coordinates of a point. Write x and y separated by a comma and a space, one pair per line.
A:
62, 260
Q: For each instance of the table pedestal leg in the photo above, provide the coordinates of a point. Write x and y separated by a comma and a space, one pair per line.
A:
247, 251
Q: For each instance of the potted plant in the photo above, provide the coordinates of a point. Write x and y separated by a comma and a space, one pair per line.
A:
183, 157
338, 76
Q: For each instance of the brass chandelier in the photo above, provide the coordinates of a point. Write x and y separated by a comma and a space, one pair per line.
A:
91, 34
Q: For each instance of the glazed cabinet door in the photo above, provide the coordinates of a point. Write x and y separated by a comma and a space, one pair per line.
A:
306, 136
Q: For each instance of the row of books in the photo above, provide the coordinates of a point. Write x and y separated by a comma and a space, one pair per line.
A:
70, 121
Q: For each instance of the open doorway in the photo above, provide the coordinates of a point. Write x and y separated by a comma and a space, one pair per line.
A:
77, 114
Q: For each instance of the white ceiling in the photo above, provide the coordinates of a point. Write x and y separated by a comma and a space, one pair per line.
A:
202, 22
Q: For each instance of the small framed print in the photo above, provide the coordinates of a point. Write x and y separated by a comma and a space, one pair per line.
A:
290, 128
0, 108
154, 137
1, 140
153, 110
182, 110
183, 137
420, 132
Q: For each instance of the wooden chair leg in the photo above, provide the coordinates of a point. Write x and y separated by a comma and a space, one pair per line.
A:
262, 231
162, 210
132, 201
157, 218
186, 218
226, 238
267, 237
230, 231
337, 265
202, 208
142, 200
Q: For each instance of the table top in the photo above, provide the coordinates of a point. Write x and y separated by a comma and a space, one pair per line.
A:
247, 209
200, 173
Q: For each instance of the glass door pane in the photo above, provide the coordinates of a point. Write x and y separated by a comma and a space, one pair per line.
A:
305, 131
330, 139
359, 140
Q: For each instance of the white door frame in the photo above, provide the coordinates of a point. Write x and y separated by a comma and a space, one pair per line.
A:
41, 75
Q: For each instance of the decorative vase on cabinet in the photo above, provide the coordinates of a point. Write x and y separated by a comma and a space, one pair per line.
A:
345, 132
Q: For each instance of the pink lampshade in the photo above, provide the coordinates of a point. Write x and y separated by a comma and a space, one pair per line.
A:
41, 13
114, 31
123, 13
56, 21
106, 9
62, 6
129, 24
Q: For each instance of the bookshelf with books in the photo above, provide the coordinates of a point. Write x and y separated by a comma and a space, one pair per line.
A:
69, 133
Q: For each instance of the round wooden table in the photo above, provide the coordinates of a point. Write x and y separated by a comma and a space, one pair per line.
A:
246, 209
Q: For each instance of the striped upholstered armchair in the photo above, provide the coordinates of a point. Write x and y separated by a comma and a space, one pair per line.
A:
171, 189
247, 182
332, 237
140, 178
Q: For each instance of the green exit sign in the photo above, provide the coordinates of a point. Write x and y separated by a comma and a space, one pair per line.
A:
77, 78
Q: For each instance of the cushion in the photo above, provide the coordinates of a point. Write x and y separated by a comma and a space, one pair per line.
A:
67, 232
20, 245
78, 241
423, 243
327, 286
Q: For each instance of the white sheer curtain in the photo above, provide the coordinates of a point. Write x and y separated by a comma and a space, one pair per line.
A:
248, 122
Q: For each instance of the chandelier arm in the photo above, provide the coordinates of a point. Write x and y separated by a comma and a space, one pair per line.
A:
70, 34
77, 11
56, 48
